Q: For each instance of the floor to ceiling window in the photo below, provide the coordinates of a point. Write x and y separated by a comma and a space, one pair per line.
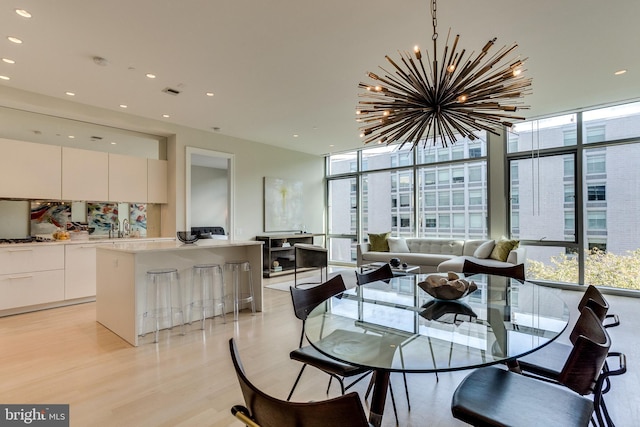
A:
426, 192
575, 196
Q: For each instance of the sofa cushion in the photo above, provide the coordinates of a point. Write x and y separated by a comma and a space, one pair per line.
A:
455, 264
503, 247
379, 242
436, 246
397, 244
485, 249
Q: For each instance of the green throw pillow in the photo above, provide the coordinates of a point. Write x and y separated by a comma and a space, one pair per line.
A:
379, 242
502, 248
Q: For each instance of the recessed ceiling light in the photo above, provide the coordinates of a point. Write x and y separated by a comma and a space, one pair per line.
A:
8, 61
4, 78
620, 72
295, 135
123, 106
70, 93
14, 40
23, 13
209, 93
113, 143
151, 76
71, 137
166, 116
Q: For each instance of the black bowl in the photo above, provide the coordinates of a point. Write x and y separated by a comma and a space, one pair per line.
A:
187, 237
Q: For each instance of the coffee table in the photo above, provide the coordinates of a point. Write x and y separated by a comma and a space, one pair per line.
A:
397, 271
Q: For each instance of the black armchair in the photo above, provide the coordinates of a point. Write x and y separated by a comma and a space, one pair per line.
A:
310, 256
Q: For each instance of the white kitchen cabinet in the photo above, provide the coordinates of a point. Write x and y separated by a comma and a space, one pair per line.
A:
29, 258
30, 171
32, 275
156, 181
80, 270
127, 178
85, 174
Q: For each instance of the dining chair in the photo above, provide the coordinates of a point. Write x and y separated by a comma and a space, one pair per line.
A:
263, 410
382, 274
310, 256
304, 301
493, 396
516, 271
547, 363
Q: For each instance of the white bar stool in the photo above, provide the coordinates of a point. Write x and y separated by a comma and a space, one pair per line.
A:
163, 299
206, 291
239, 295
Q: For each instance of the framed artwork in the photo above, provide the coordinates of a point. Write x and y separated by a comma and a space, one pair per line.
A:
283, 205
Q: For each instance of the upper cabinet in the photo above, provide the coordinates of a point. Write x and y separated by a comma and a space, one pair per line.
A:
127, 178
156, 181
85, 174
30, 171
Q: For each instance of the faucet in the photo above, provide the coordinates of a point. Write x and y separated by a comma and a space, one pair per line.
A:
126, 228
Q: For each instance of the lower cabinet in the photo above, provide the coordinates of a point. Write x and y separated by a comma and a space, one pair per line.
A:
80, 270
25, 289
32, 275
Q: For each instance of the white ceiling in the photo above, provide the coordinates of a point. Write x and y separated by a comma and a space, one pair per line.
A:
285, 67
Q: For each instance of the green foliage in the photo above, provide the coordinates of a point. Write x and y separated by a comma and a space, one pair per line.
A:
601, 268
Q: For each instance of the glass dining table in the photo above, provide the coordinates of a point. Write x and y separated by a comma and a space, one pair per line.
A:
395, 326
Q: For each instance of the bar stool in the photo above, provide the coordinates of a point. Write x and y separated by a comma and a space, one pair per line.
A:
239, 296
204, 294
163, 299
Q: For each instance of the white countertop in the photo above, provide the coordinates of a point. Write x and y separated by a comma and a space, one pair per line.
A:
91, 240
160, 246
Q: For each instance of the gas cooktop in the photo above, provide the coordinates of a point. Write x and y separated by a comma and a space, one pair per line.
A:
29, 239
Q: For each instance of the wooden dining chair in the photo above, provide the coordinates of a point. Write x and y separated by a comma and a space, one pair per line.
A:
493, 396
516, 271
263, 410
547, 363
304, 301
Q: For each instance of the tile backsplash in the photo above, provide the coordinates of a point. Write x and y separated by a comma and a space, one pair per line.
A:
46, 217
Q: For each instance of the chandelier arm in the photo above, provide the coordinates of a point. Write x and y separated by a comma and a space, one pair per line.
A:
422, 80
485, 67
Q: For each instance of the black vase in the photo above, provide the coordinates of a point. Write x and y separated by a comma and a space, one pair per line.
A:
394, 262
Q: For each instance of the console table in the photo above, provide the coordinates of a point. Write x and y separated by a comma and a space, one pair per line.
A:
279, 247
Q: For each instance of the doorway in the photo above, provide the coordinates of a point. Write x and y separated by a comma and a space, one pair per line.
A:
209, 189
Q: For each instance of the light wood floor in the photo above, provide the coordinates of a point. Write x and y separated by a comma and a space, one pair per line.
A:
64, 356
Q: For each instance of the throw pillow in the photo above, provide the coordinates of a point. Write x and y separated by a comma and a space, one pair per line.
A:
379, 242
501, 251
484, 250
398, 245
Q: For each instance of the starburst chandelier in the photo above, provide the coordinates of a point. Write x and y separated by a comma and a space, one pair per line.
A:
449, 99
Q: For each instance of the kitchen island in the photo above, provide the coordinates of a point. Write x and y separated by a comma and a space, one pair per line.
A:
121, 275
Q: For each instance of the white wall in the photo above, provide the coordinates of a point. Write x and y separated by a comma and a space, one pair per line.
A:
253, 161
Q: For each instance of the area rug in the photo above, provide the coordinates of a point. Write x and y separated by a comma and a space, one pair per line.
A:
348, 276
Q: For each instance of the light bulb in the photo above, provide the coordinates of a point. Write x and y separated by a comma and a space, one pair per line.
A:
451, 68
462, 98
416, 50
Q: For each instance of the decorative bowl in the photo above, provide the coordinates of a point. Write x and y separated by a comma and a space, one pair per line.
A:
447, 288
187, 237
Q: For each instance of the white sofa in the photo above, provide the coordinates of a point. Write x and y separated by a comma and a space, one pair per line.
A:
436, 255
